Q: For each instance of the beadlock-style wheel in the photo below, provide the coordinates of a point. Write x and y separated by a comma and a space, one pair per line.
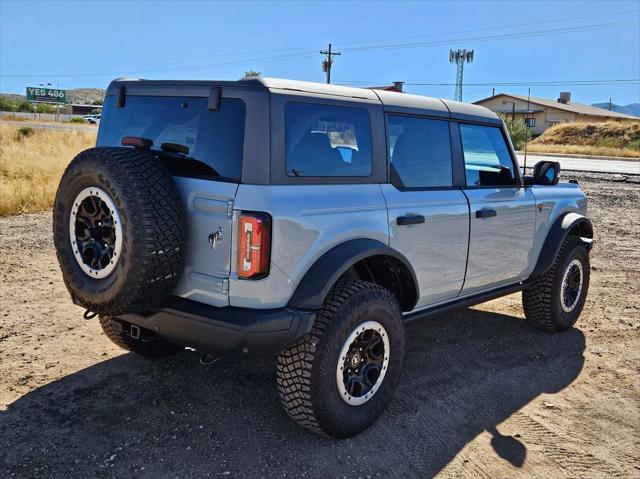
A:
362, 363
571, 286
554, 300
95, 232
337, 379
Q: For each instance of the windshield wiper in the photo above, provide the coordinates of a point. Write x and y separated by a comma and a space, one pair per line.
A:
137, 141
173, 155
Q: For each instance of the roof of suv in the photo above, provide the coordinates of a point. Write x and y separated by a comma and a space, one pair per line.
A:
392, 101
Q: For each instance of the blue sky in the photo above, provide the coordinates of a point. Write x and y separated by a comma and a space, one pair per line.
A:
86, 44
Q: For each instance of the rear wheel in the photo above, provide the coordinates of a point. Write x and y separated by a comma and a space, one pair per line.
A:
339, 378
553, 301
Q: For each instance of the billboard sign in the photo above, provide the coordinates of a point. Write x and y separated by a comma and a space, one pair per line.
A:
46, 95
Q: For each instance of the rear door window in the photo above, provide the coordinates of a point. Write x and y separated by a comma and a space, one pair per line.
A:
327, 140
420, 151
215, 138
487, 159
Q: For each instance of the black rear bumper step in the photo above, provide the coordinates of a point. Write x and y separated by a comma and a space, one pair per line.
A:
226, 331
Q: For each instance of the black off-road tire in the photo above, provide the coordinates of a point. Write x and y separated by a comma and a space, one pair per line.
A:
153, 225
306, 374
148, 345
541, 297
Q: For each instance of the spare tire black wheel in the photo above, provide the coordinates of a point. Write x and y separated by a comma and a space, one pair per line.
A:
118, 228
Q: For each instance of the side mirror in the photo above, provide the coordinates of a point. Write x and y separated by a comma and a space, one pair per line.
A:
545, 173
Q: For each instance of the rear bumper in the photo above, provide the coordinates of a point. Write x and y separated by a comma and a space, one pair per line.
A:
226, 331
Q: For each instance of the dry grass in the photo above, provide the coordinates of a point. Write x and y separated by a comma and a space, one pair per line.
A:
610, 138
31, 166
15, 118
584, 150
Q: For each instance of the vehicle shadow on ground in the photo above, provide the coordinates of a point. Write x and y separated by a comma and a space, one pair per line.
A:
131, 417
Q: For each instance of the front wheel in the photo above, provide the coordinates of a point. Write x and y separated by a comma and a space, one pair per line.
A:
339, 378
553, 301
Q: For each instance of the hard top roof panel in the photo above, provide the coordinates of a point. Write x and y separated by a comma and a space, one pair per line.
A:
392, 101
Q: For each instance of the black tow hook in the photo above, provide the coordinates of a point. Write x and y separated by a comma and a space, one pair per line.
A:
207, 359
88, 314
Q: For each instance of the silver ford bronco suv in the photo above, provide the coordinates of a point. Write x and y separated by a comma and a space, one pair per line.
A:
311, 221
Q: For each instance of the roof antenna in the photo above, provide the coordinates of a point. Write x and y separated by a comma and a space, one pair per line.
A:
526, 133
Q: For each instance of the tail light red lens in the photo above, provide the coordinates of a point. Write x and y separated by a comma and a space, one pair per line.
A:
254, 245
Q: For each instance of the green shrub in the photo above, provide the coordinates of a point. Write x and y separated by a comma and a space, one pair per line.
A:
76, 119
25, 106
6, 104
44, 108
24, 132
518, 131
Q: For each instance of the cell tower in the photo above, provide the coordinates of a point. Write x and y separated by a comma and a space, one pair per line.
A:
460, 57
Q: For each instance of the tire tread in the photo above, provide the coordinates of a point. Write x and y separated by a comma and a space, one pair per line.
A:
296, 364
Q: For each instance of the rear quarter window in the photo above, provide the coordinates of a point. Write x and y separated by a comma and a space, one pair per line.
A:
419, 151
327, 140
215, 138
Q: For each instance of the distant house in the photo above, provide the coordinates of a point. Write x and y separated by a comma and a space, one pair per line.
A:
542, 113
77, 109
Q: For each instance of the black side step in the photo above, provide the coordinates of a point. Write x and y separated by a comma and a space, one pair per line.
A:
465, 302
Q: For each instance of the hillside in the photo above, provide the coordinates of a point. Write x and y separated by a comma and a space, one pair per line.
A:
611, 138
630, 109
82, 96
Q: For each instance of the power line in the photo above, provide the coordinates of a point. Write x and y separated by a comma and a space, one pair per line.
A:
347, 45
504, 36
286, 57
155, 70
631, 81
563, 20
169, 59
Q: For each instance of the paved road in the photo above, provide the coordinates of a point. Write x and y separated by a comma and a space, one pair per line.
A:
51, 126
628, 167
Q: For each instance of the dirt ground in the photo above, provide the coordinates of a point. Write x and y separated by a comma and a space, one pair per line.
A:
482, 394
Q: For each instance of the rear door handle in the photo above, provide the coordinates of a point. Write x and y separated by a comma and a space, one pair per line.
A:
486, 213
410, 220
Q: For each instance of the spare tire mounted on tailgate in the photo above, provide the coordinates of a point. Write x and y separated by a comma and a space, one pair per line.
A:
118, 225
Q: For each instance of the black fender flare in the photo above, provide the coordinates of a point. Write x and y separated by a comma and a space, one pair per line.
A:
563, 226
320, 278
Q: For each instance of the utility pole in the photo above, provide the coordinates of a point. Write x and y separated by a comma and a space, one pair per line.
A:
460, 57
610, 105
326, 64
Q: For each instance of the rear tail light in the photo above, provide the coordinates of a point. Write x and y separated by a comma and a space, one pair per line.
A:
254, 245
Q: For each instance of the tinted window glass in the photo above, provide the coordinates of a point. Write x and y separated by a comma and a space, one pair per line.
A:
420, 151
213, 137
324, 140
486, 156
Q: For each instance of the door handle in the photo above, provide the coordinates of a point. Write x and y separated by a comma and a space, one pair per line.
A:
486, 213
410, 220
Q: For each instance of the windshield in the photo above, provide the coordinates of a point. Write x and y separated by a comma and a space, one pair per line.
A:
213, 137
